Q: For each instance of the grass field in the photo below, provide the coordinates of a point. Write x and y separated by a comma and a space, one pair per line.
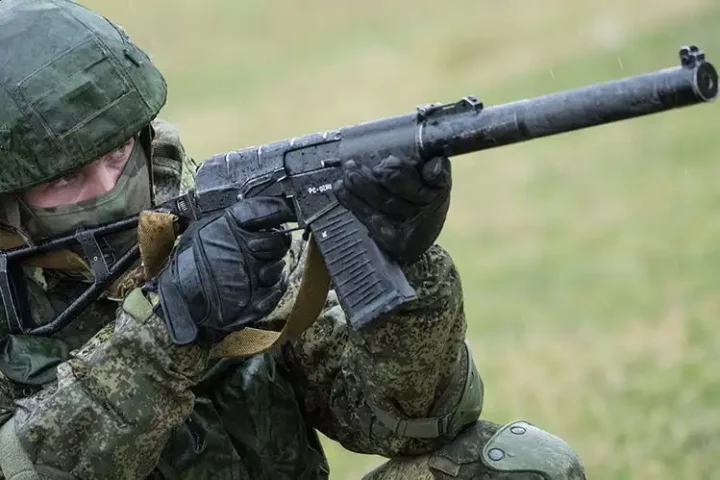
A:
590, 261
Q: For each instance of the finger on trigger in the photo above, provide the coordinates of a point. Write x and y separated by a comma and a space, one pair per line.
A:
270, 245
258, 213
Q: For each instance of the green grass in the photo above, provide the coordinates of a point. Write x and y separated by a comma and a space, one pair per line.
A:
589, 260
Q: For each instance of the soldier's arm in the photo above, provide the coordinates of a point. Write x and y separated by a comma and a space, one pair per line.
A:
400, 386
114, 406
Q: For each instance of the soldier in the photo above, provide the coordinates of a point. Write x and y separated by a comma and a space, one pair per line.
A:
113, 396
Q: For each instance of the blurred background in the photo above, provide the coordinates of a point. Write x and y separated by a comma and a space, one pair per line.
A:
590, 261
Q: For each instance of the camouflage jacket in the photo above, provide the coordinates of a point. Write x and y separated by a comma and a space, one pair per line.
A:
112, 397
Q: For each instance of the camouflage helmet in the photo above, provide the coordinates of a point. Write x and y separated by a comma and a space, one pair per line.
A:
72, 88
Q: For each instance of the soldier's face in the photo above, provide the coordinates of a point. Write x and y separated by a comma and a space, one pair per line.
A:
91, 181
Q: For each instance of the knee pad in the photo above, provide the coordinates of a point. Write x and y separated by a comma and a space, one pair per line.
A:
518, 450
522, 447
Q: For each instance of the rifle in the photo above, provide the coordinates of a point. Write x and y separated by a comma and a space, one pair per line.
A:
302, 170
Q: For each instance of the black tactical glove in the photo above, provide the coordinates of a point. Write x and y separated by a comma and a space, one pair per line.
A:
225, 273
403, 205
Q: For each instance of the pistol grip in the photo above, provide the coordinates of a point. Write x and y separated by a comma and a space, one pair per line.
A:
367, 282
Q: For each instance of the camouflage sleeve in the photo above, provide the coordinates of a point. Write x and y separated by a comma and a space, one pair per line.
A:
173, 168
402, 365
115, 403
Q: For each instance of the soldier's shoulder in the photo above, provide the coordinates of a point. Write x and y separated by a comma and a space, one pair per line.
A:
166, 134
173, 168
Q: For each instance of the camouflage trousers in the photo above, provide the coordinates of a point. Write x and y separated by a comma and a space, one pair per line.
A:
485, 451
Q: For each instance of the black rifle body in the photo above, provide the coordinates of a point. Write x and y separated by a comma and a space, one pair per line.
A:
302, 170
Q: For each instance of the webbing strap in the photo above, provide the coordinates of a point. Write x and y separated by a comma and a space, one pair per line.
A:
156, 238
433, 427
9, 239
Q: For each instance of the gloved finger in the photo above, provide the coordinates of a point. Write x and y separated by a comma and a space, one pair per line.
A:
258, 213
267, 303
352, 202
271, 273
402, 178
269, 245
422, 187
360, 182
387, 233
437, 173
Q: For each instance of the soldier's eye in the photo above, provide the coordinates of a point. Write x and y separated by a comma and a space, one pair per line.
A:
120, 155
64, 181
